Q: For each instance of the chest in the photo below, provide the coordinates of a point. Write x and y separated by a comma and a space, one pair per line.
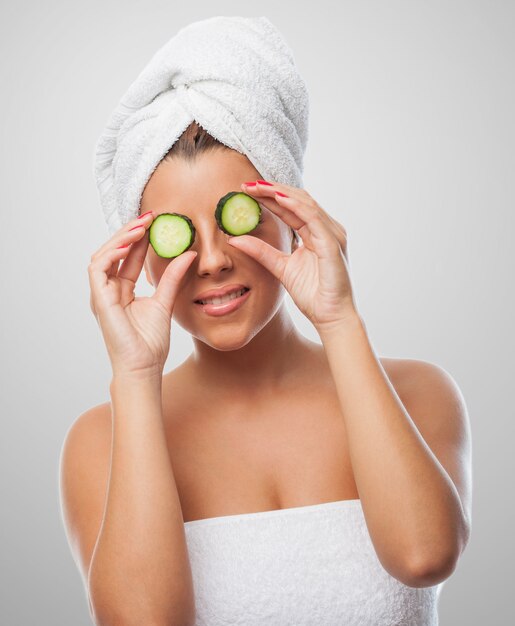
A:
289, 450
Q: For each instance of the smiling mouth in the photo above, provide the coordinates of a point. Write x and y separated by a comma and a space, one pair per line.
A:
223, 299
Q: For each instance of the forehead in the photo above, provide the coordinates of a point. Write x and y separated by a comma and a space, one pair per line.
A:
192, 186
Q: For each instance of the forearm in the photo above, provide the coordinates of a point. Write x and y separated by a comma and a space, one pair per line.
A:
412, 507
140, 571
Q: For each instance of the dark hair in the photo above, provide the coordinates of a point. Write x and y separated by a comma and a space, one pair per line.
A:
194, 141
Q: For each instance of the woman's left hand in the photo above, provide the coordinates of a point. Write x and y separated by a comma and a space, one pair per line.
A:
316, 275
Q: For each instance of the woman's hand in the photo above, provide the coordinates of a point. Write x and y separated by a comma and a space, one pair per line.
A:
136, 330
316, 275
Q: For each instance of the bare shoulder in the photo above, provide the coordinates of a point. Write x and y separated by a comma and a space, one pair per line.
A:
84, 467
423, 381
94, 418
437, 407
90, 428
430, 394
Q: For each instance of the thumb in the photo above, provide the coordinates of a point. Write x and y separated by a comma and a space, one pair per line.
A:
270, 258
170, 281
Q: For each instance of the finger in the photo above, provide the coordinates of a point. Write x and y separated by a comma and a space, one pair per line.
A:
128, 236
270, 190
341, 236
133, 264
312, 226
98, 278
170, 281
289, 218
273, 186
283, 212
272, 259
316, 233
128, 240
125, 234
268, 195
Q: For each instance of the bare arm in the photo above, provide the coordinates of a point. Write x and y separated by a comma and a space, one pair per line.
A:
140, 571
415, 491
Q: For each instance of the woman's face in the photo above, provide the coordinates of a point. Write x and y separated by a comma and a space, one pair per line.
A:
193, 189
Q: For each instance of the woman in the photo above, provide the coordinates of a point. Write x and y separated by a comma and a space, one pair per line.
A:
268, 479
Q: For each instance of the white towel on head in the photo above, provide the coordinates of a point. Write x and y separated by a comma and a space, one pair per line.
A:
236, 77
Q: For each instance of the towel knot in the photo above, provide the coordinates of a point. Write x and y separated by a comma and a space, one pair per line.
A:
237, 78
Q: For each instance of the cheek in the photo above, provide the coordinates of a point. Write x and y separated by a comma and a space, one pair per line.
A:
276, 233
156, 266
185, 315
283, 235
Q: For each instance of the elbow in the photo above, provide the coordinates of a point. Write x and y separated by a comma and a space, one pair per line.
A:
147, 622
108, 610
132, 621
110, 618
429, 570
426, 572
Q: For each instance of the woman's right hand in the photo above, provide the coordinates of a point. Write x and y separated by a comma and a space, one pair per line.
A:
136, 330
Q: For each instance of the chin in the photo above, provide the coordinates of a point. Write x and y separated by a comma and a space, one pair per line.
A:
228, 339
224, 347
225, 336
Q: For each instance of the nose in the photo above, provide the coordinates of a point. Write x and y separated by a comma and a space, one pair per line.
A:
214, 254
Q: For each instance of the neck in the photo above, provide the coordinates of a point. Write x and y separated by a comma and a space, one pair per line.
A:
268, 362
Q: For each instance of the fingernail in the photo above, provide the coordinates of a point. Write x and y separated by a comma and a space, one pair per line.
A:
144, 215
283, 195
118, 247
249, 184
264, 182
134, 228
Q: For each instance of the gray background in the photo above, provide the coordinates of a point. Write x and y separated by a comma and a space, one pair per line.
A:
411, 147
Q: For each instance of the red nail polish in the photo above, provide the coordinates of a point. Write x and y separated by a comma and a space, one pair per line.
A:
118, 247
249, 184
144, 214
283, 195
138, 226
264, 182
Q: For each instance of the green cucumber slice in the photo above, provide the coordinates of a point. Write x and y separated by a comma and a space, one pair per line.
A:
237, 213
171, 234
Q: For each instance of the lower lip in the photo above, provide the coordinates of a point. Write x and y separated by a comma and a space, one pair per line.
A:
226, 307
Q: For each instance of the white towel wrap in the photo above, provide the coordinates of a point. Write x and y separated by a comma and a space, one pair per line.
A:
303, 566
236, 77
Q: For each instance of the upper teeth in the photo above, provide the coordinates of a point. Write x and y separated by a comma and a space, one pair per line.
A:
226, 298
